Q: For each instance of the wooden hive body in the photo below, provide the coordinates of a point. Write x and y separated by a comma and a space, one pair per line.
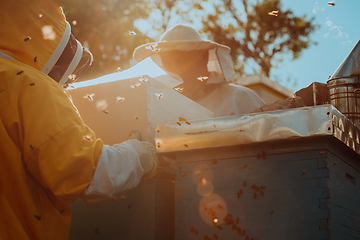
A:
306, 188
146, 212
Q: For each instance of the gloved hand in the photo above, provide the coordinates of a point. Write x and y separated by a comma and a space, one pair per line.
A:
146, 152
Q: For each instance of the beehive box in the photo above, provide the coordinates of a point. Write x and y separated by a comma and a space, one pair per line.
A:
114, 107
301, 182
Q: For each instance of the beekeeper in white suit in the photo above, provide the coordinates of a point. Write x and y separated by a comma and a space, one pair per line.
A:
203, 69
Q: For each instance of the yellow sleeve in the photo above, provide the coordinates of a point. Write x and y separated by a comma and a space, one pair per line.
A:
59, 150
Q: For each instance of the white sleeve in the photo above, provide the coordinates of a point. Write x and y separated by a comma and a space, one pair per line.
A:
118, 169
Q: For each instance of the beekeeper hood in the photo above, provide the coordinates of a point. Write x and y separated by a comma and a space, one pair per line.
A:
185, 38
36, 33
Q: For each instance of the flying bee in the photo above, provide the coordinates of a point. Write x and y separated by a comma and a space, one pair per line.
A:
159, 95
90, 96
143, 79
202, 78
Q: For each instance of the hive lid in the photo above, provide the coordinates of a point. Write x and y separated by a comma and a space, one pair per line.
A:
324, 120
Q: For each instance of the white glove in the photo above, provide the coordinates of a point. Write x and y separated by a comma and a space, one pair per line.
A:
147, 155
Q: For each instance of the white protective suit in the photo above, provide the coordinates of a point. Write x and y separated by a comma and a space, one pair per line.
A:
227, 99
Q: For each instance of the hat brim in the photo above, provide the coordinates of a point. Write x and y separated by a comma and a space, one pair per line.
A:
145, 50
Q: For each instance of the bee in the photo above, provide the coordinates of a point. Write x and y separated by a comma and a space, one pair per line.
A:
203, 181
19, 73
153, 47
202, 78
188, 123
331, 4
119, 99
186, 145
113, 198
274, 13
255, 187
243, 233
90, 96
143, 79
62, 211
237, 220
132, 33
119, 69
244, 184
261, 193
205, 208
32, 148
179, 89
159, 95
234, 226
241, 191
215, 236
178, 123
37, 217
196, 232
183, 175
221, 207
136, 118
27, 39
135, 85
35, 59
106, 112
255, 195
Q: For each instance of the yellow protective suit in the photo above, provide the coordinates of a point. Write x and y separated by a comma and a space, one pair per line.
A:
47, 154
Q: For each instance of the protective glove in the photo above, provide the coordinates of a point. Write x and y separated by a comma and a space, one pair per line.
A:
147, 155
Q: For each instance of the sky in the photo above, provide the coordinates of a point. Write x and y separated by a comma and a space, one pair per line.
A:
338, 34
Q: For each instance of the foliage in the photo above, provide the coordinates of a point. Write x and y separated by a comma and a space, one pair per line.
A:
259, 30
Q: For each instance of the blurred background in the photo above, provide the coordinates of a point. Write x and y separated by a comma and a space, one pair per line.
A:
294, 43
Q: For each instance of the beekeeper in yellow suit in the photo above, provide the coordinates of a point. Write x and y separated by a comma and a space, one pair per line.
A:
203, 69
48, 156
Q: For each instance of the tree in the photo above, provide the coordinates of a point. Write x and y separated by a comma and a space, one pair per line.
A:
259, 30
106, 27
